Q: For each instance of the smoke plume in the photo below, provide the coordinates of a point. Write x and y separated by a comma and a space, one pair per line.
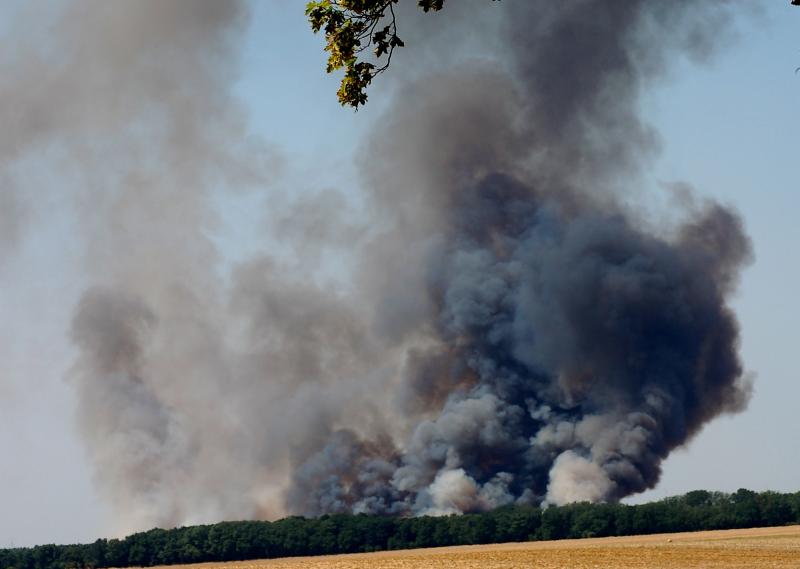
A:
513, 330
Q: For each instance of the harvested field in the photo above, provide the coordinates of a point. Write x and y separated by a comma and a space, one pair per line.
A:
729, 549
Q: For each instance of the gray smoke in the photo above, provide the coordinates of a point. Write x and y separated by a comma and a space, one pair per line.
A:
128, 106
558, 346
512, 330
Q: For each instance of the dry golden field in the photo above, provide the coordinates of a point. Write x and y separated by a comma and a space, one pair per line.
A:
730, 549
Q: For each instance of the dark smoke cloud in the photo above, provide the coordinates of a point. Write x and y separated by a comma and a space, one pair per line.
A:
568, 347
512, 330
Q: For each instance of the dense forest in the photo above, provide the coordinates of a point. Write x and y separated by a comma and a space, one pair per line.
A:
344, 533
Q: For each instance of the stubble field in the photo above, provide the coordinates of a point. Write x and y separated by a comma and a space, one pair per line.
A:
731, 549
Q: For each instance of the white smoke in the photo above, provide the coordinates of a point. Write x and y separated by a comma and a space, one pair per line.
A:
510, 331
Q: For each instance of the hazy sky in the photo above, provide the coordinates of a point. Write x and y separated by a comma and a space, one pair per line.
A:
728, 128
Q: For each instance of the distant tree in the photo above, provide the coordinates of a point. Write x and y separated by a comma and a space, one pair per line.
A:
353, 26
745, 508
516, 523
697, 498
775, 509
556, 523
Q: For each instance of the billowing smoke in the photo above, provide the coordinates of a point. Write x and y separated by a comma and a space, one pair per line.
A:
559, 346
514, 330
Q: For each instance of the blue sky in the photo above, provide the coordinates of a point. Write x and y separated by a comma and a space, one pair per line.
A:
729, 128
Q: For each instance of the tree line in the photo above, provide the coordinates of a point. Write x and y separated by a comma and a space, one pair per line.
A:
346, 533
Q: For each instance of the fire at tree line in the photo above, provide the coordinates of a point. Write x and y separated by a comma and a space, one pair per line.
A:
346, 533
